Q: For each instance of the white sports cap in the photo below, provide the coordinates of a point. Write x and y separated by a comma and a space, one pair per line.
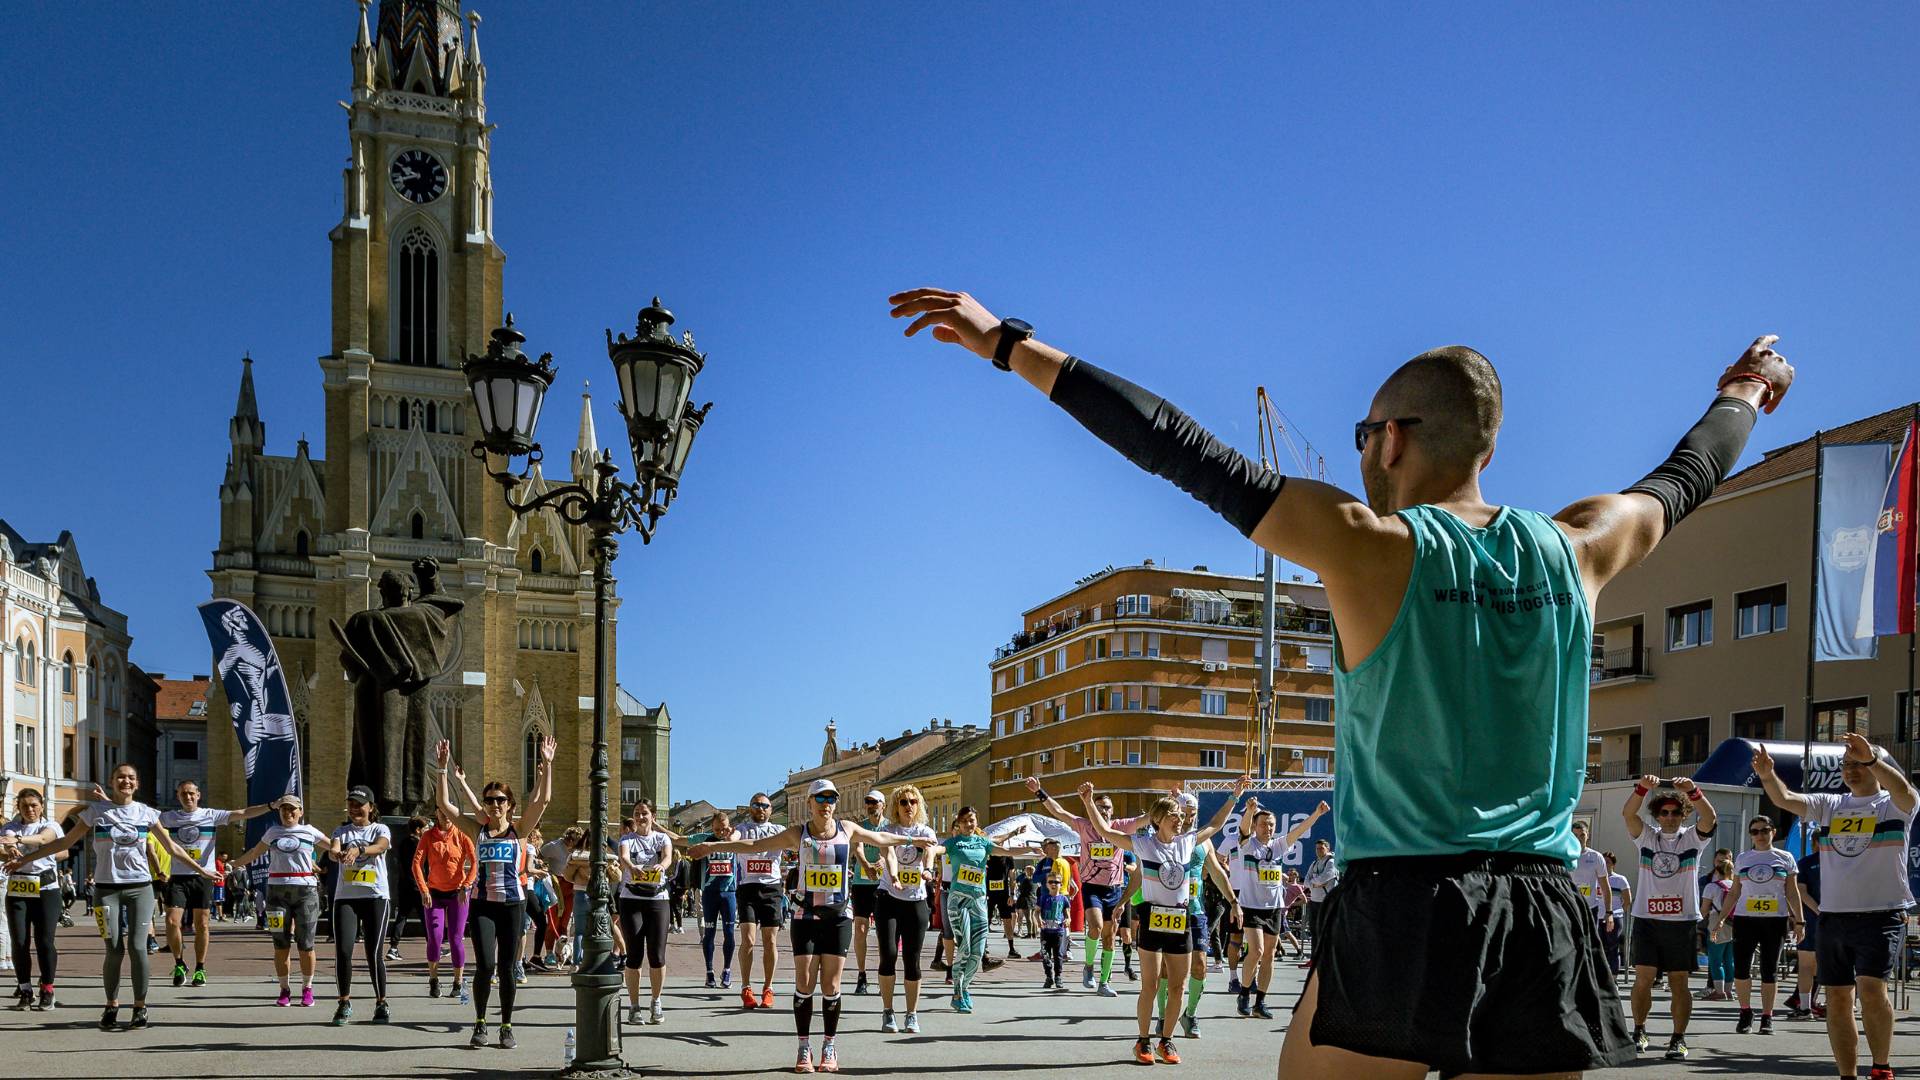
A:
876, 796
819, 786
1189, 801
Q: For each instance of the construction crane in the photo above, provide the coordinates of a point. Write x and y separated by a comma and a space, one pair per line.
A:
1276, 430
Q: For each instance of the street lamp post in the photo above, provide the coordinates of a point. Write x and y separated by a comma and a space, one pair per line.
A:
655, 374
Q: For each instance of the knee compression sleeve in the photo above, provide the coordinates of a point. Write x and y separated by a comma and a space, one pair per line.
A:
1157, 436
1703, 458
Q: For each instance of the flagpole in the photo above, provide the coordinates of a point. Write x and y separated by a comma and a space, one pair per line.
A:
1906, 722
1813, 606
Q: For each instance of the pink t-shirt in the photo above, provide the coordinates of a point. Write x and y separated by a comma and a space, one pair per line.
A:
1102, 862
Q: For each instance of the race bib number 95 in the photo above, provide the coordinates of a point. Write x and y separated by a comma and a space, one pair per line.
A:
1664, 905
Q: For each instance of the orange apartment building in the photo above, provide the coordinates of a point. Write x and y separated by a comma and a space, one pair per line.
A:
1142, 677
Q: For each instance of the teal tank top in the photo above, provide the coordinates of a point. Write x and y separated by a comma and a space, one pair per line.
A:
1466, 729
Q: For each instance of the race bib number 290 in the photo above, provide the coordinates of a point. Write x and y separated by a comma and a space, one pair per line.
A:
1665, 905
23, 887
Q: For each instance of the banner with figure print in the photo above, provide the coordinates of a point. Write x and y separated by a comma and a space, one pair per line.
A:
1852, 481
257, 697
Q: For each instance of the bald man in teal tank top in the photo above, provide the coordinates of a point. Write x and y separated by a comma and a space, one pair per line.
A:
1455, 940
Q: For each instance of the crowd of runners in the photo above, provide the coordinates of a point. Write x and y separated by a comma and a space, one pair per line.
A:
1465, 925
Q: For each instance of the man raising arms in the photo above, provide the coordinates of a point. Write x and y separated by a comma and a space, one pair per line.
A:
1103, 882
188, 891
1864, 896
1666, 905
1464, 632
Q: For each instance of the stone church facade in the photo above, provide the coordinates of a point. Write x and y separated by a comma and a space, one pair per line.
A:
417, 283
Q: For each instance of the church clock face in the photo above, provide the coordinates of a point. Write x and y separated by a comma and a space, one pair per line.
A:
418, 176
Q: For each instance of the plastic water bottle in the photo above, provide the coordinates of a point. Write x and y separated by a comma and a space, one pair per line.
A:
566, 1054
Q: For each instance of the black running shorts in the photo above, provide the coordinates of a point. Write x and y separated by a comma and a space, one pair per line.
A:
821, 937
1481, 962
1266, 920
865, 897
1809, 938
999, 903
759, 905
1159, 941
190, 892
1858, 945
1665, 945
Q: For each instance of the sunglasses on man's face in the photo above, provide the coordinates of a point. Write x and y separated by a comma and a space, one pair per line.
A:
1672, 813
873, 802
763, 806
1365, 428
1759, 832
826, 797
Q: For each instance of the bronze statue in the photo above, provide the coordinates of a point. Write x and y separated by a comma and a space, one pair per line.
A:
391, 653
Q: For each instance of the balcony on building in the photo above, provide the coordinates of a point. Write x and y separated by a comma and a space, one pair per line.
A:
1201, 607
1620, 654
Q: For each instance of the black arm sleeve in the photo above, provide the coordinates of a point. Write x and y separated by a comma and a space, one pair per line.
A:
1155, 435
1703, 458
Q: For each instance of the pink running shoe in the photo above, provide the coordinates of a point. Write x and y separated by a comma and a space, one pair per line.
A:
283, 999
306, 997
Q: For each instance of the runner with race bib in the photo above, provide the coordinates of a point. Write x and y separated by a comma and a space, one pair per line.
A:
1263, 882
360, 902
760, 901
1161, 919
193, 826
967, 853
293, 892
1666, 903
1764, 902
33, 897
823, 924
1103, 879
717, 882
901, 911
646, 855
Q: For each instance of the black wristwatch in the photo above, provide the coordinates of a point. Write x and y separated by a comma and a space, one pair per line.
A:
1012, 332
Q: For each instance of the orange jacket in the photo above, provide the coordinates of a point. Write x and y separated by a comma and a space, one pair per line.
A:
445, 860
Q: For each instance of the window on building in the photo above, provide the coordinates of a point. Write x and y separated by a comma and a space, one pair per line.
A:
93, 678
25, 749
1319, 658
1020, 674
1116, 699
1021, 718
23, 661
1060, 710
630, 748
419, 527
1000, 683
1100, 648
1314, 764
1153, 699
1213, 759
1684, 742
1759, 724
67, 763
529, 755
1690, 626
300, 543
1086, 651
629, 794
1909, 712
1134, 645
1320, 710
1133, 751
1153, 645
1213, 702
1213, 650
1832, 719
1060, 659
417, 289
186, 750
66, 674
534, 560
1761, 611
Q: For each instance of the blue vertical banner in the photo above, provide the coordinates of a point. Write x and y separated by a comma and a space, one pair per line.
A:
1853, 481
249, 671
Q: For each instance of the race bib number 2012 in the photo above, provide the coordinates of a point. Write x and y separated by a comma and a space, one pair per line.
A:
1665, 905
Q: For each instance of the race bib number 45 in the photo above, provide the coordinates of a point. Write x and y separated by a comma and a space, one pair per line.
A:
972, 876
1170, 920
1665, 905
1763, 905
825, 879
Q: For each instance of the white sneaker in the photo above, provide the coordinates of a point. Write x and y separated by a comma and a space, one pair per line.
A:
633, 1014
656, 1014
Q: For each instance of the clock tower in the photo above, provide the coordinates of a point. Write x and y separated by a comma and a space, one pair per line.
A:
416, 281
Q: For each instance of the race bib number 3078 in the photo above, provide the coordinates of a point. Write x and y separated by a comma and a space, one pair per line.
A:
1665, 905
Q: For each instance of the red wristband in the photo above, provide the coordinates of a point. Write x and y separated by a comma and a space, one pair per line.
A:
1641, 790
1754, 377
1695, 795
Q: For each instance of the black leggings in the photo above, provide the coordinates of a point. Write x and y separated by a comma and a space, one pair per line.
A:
902, 926
495, 927
350, 916
34, 916
1765, 933
643, 923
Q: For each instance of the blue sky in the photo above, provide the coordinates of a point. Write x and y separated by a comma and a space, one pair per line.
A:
1610, 202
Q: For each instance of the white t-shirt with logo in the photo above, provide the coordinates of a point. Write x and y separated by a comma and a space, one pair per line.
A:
1669, 886
1764, 878
761, 867
120, 841
193, 830
32, 868
1863, 854
290, 859
909, 881
368, 877
1589, 874
643, 850
1617, 883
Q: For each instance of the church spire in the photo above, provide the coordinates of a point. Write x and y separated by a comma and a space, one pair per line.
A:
830, 753
246, 432
419, 47
363, 53
587, 450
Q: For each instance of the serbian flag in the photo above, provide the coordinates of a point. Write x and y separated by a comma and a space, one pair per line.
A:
1894, 554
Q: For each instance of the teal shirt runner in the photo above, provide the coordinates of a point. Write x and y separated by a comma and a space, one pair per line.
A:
1466, 729
969, 853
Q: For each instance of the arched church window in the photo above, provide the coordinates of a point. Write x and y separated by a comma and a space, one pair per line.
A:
433, 417
530, 756
406, 410
66, 674
573, 640
419, 526
533, 561
29, 672
417, 296
300, 543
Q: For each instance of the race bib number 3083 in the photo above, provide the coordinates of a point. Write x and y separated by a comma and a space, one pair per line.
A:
1665, 905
